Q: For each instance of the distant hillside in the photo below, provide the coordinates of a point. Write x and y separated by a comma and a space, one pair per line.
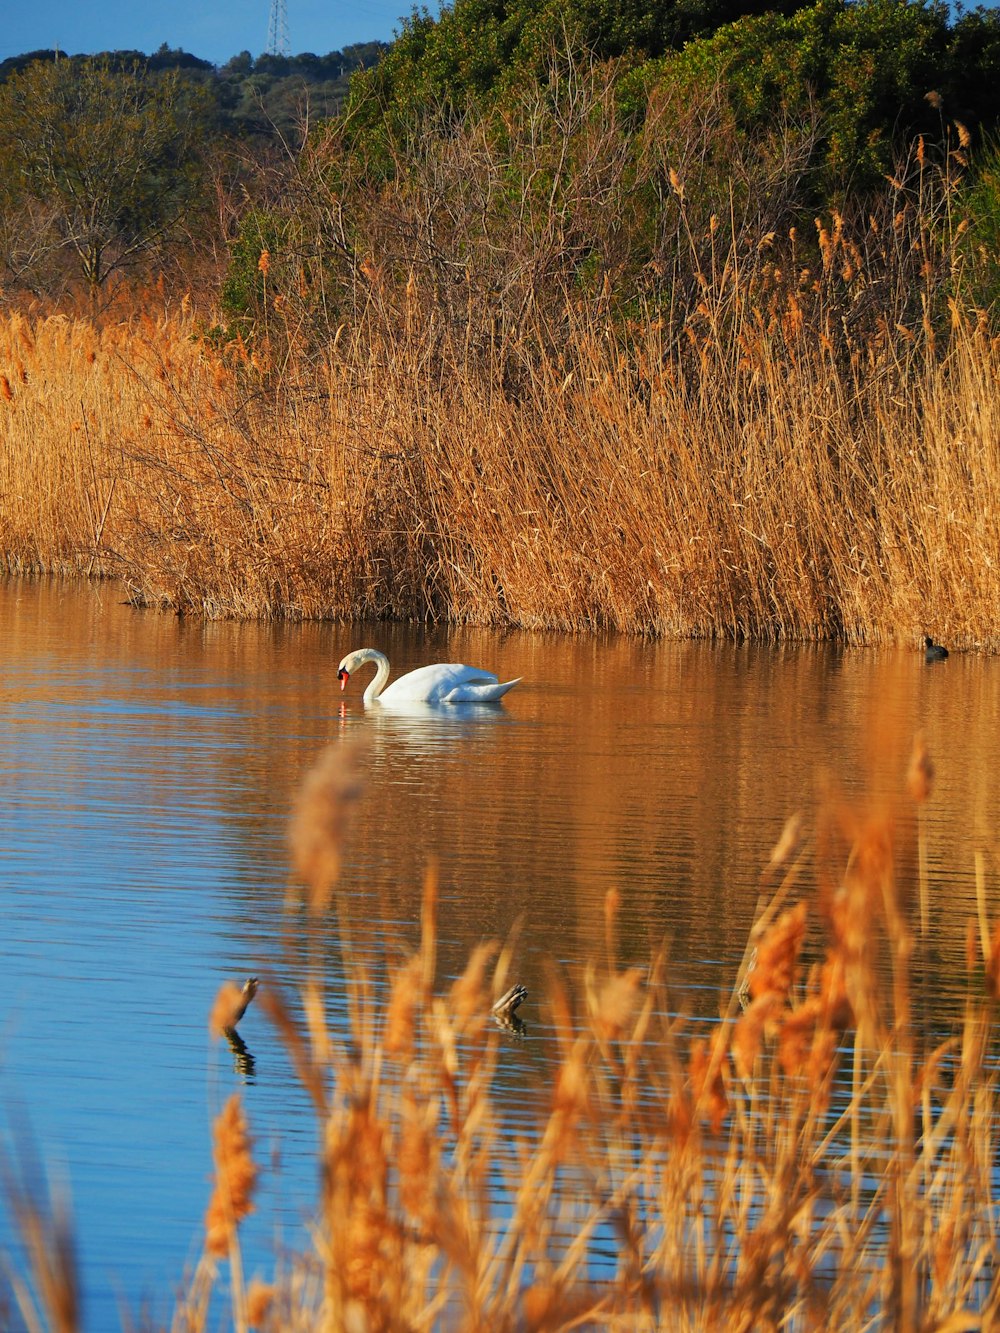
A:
255, 95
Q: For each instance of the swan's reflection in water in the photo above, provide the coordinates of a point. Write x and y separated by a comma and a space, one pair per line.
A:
425, 728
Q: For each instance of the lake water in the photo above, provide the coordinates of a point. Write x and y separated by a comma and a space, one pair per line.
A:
147, 769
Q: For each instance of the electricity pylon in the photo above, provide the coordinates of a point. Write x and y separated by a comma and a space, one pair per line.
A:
277, 30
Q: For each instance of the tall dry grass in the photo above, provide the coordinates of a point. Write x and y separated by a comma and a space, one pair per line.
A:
757, 480
814, 1161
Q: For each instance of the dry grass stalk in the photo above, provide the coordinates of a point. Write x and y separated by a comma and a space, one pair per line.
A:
235, 1179
778, 954
613, 1006
320, 820
260, 1302
919, 784
400, 1021
920, 774
50, 1298
311, 1074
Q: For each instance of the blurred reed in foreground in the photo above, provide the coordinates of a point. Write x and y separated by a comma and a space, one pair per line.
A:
814, 1161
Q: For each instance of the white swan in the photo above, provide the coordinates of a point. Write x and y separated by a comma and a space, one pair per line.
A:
443, 683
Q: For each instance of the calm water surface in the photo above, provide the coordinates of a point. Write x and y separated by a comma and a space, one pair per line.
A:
147, 767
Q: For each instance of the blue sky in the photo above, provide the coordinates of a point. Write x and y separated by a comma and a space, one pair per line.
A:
212, 29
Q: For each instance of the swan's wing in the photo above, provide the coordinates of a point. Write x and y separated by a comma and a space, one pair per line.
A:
479, 691
446, 682
432, 684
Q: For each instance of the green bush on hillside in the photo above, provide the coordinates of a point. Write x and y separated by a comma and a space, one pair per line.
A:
864, 70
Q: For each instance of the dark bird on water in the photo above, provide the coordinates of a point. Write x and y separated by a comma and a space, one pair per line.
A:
934, 652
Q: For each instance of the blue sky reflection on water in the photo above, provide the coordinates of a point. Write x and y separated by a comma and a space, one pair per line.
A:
118, 874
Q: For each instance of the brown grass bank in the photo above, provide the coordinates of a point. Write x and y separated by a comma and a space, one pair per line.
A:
758, 485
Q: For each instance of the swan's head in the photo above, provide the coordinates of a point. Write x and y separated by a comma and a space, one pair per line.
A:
359, 658
347, 665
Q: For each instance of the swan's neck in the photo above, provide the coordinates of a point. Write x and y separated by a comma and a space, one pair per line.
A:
377, 684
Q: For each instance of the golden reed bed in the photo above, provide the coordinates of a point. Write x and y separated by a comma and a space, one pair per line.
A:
813, 1164
757, 485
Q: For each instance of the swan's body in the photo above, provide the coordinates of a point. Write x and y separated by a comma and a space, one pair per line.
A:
934, 652
443, 683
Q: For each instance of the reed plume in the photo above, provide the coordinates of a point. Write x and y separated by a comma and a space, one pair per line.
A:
320, 820
235, 1178
260, 1303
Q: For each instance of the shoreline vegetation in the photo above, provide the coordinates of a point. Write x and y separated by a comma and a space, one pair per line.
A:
817, 1160
751, 473
753, 484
